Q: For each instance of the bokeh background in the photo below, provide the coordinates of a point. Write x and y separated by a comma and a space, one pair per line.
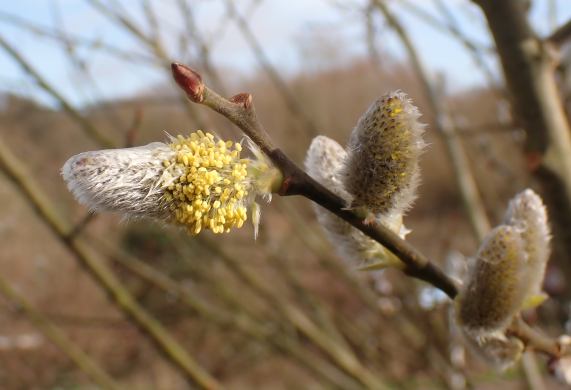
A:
282, 311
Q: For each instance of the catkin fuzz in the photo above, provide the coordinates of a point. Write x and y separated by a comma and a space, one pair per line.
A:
324, 162
495, 288
526, 213
199, 181
381, 171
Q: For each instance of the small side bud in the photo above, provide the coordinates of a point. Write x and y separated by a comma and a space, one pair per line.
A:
189, 81
527, 213
381, 171
245, 99
323, 162
494, 291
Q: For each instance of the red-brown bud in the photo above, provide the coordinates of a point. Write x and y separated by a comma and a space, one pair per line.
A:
189, 81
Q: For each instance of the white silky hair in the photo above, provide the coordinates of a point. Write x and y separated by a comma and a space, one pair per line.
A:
129, 181
527, 213
369, 165
323, 162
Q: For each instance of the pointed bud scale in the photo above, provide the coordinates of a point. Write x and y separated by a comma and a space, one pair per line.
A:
381, 171
323, 162
495, 288
189, 81
198, 181
527, 213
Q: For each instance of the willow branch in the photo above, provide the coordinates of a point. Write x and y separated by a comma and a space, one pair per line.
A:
240, 111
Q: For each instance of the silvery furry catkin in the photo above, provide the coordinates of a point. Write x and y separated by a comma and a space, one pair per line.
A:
505, 277
495, 288
120, 180
527, 213
381, 171
199, 181
323, 162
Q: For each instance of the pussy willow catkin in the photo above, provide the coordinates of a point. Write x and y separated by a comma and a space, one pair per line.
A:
382, 171
323, 162
199, 181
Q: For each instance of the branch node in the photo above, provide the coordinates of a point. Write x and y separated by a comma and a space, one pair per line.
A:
244, 99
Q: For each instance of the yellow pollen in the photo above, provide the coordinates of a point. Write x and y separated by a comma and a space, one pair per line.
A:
211, 183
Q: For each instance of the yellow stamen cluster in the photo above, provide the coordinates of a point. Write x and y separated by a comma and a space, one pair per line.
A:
209, 184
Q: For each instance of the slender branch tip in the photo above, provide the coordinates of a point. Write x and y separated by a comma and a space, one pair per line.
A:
189, 81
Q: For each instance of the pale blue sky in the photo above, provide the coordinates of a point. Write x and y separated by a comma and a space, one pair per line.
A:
282, 26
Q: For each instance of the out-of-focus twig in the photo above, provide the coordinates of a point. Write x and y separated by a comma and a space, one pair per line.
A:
66, 38
191, 29
56, 336
152, 43
270, 70
337, 352
240, 318
52, 91
561, 35
451, 27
